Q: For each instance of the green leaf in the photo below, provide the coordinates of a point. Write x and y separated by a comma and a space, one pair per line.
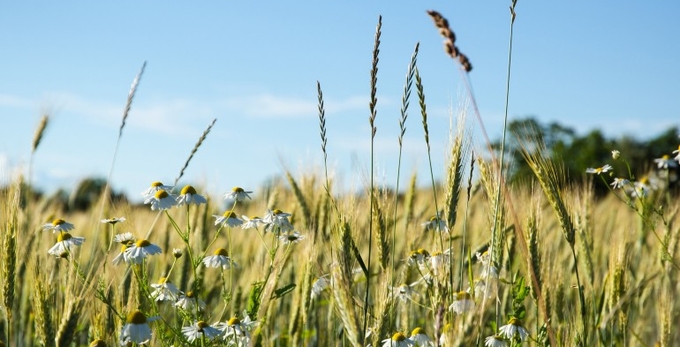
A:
283, 290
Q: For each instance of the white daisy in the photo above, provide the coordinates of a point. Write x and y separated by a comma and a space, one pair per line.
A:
58, 225
277, 221
418, 257
440, 262
616, 154
677, 153
404, 292
200, 329
124, 238
251, 223
121, 256
229, 218
435, 224
218, 259
237, 330
113, 220
237, 194
294, 237
599, 170
513, 327
155, 187
138, 251
490, 288
420, 339
397, 340
665, 162
189, 302
462, 303
164, 290
136, 329
65, 242
495, 341
619, 183
319, 285
189, 196
162, 200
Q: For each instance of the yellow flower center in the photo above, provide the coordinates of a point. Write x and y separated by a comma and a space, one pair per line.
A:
417, 331
188, 190
57, 222
156, 184
161, 194
434, 219
277, 212
234, 321
463, 296
514, 321
423, 252
237, 190
143, 243
123, 248
136, 317
229, 214
190, 294
665, 157
201, 325
162, 280
398, 337
221, 251
436, 254
64, 237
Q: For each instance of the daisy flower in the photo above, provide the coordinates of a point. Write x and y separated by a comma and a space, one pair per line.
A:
229, 218
176, 253
397, 340
189, 302
237, 194
619, 183
490, 288
64, 244
599, 170
198, 330
665, 162
218, 259
420, 339
164, 290
616, 154
677, 153
319, 285
294, 237
189, 196
277, 219
440, 262
113, 220
495, 341
513, 327
446, 334
161, 200
121, 256
435, 224
155, 187
237, 329
462, 303
136, 329
418, 257
58, 225
404, 292
251, 223
124, 238
138, 251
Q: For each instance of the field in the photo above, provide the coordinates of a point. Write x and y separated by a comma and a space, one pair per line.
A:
471, 261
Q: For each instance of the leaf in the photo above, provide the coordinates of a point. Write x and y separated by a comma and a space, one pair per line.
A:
283, 290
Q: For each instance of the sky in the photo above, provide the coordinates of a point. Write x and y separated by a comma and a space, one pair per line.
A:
254, 65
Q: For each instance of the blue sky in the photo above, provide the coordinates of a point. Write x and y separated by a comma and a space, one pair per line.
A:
254, 67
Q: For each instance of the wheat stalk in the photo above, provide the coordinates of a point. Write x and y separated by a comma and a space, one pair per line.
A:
195, 149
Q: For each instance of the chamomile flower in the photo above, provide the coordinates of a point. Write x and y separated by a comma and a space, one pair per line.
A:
616, 154
218, 259
237, 330
229, 218
397, 340
418, 257
277, 221
495, 341
188, 196
665, 162
294, 237
435, 224
440, 262
619, 183
404, 292
514, 327
189, 302
161, 200
124, 238
121, 256
58, 225
113, 221
599, 170
237, 194
251, 222
65, 242
420, 339
200, 329
164, 290
136, 329
446, 335
155, 187
319, 285
490, 288
677, 153
176, 253
462, 303
138, 251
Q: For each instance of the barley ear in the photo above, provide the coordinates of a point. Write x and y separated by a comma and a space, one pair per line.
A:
39, 132
9, 249
299, 196
69, 323
193, 151
42, 309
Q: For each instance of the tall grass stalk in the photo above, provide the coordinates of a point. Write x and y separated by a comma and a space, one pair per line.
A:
372, 107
